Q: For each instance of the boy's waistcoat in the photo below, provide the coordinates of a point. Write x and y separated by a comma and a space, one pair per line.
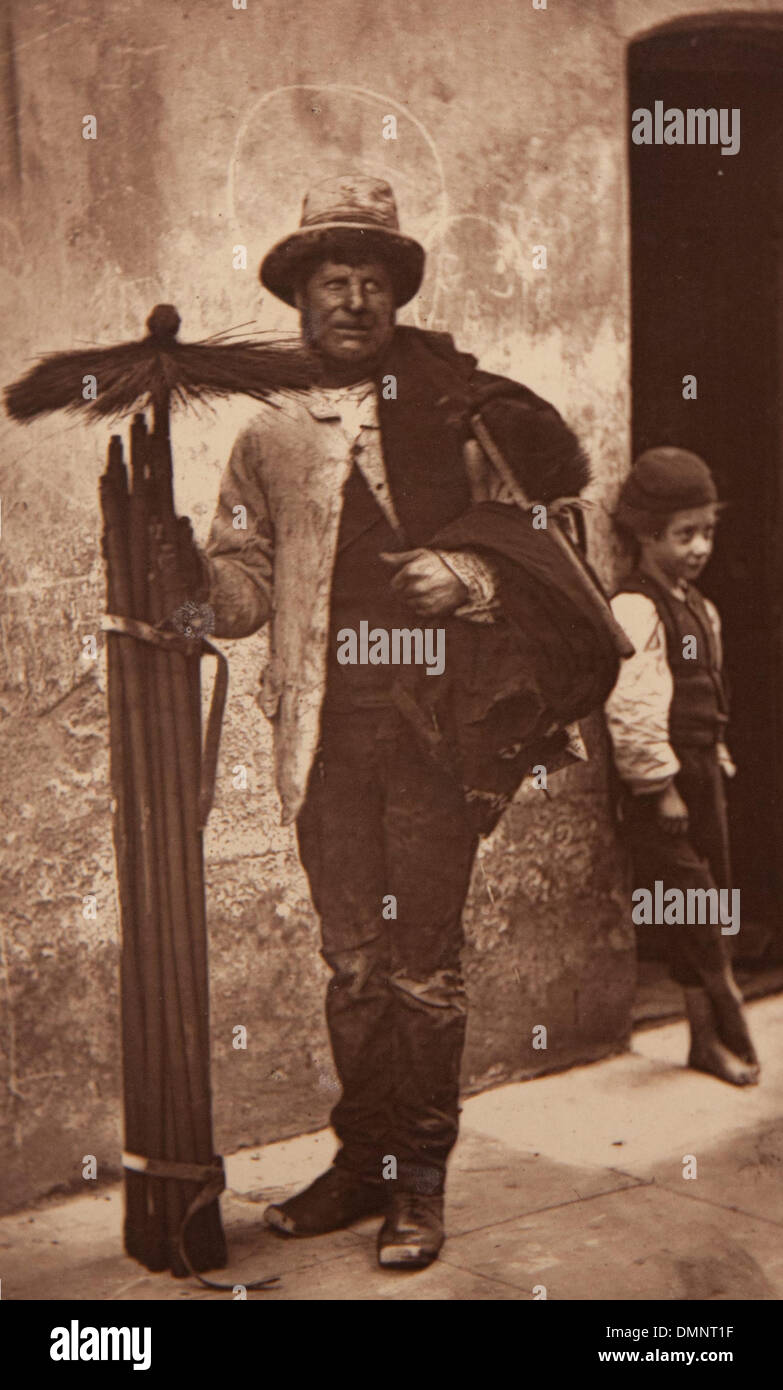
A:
699, 708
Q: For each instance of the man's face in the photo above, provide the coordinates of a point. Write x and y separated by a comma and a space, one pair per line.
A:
348, 310
684, 547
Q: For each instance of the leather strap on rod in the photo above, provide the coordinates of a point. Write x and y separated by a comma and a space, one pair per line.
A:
188, 646
213, 1179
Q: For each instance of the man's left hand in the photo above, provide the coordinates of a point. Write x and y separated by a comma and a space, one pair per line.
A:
425, 582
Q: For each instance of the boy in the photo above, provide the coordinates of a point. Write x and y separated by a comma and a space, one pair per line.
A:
666, 718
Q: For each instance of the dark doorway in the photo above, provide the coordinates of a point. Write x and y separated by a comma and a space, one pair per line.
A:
707, 295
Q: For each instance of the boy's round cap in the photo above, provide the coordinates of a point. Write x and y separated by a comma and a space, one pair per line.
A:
353, 211
666, 480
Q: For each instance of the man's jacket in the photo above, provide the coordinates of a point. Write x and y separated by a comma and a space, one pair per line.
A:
288, 469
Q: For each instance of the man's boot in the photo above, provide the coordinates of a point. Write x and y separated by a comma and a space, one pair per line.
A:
336, 1199
413, 1232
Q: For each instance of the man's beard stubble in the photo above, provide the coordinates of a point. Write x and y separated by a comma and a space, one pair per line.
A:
334, 371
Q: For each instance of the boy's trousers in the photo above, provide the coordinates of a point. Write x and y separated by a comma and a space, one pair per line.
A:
388, 851
697, 859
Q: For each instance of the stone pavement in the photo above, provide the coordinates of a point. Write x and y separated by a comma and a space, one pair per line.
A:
572, 1181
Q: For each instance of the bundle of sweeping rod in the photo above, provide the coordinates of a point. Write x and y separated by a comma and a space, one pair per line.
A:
162, 777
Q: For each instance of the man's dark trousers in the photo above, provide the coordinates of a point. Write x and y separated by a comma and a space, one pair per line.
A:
382, 821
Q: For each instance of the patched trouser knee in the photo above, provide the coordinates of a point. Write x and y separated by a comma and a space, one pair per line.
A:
442, 992
354, 967
388, 852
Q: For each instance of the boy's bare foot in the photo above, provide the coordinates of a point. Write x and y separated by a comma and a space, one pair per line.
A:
711, 1056
708, 1051
731, 1024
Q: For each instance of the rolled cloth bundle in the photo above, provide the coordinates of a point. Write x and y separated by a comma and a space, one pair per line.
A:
555, 655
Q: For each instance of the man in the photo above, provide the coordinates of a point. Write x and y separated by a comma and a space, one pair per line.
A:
351, 493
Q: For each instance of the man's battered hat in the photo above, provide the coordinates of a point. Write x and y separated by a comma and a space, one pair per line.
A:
662, 481
351, 213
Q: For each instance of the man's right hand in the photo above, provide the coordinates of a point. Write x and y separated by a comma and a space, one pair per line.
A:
192, 570
672, 811
184, 563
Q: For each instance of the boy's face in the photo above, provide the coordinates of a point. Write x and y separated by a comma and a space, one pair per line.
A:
684, 547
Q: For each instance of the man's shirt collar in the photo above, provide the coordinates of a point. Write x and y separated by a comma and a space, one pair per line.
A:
327, 403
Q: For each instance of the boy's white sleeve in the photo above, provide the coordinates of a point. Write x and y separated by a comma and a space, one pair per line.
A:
637, 711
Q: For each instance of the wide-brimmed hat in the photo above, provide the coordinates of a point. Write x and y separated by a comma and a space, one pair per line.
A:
352, 212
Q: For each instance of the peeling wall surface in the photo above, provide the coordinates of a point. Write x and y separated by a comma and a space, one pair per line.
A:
211, 123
